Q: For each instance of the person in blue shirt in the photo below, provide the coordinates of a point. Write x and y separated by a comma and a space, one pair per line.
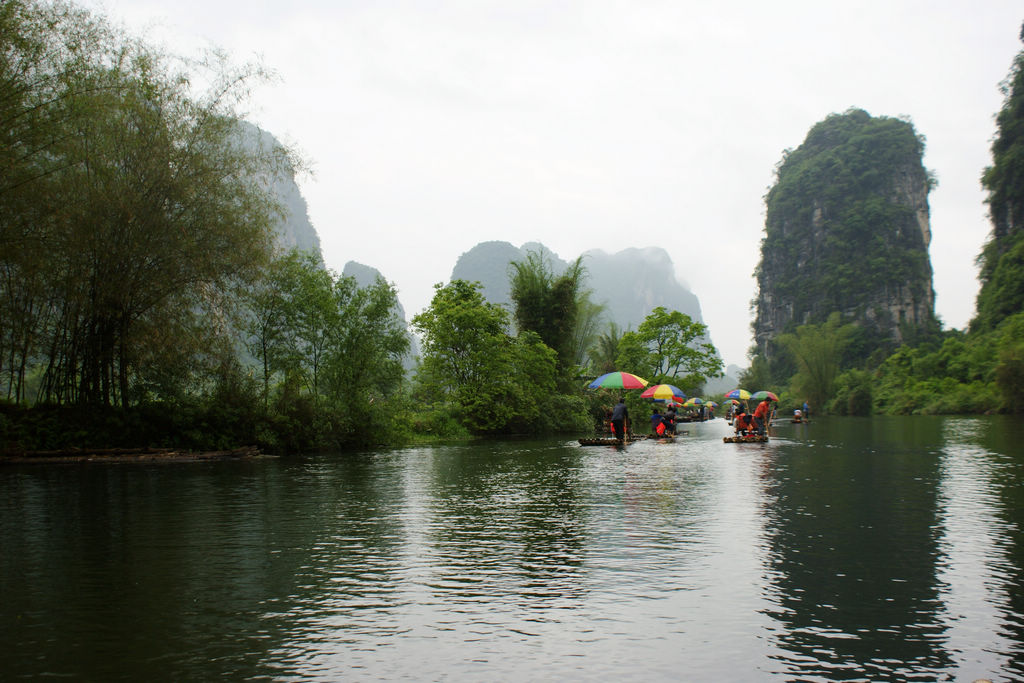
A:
657, 425
670, 419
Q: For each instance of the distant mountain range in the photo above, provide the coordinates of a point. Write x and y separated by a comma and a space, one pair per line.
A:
629, 283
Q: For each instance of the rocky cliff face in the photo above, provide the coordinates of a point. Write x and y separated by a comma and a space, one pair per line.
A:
848, 230
1002, 258
295, 229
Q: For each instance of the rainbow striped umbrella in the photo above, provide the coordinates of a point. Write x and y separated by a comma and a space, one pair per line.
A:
741, 394
665, 391
763, 395
618, 380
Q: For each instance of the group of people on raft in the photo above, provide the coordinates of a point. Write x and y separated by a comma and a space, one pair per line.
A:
663, 425
747, 424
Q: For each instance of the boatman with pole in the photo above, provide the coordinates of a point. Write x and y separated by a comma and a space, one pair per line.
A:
761, 415
619, 416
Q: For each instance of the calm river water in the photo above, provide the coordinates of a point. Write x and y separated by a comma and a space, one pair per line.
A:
846, 549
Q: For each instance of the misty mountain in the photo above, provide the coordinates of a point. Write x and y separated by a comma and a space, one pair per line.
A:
632, 282
295, 229
723, 385
629, 283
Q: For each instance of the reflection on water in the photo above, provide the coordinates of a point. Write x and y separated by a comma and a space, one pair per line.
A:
845, 549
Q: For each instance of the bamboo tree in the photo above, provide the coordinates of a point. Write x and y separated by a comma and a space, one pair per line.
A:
149, 202
818, 350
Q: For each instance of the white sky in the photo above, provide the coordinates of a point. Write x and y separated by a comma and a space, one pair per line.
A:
432, 126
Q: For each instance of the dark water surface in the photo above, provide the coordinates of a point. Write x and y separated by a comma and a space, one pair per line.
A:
846, 549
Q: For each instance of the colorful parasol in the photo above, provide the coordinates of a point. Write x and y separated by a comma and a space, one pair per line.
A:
760, 395
618, 380
741, 394
665, 391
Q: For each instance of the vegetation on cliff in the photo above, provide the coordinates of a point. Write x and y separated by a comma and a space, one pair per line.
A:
981, 370
1001, 261
978, 371
843, 233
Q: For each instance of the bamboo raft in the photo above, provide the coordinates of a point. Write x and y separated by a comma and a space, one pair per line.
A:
124, 455
612, 441
754, 438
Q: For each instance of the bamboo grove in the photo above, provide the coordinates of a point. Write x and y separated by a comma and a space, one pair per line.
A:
129, 205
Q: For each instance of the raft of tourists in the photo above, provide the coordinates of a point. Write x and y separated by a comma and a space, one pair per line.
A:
749, 426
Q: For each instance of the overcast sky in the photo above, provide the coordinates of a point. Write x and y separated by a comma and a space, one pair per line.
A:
432, 126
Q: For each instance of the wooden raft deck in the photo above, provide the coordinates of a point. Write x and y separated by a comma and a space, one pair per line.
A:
756, 438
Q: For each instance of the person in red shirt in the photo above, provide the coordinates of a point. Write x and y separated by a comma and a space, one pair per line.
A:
761, 414
743, 423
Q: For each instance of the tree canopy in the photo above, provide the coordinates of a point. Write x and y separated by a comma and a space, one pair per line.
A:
669, 345
128, 203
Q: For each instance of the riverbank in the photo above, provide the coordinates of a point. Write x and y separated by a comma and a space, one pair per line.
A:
123, 455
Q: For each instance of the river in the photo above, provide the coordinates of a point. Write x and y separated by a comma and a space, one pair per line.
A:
875, 549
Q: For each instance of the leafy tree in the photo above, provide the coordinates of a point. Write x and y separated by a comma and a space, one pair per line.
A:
520, 398
589, 316
854, 394
267, 323
670, 346
817, 350
462, 334
1009, 374
148, 205
496, 383
757, 376
550, 306
312, 316
363, 371
46, 51
605, 349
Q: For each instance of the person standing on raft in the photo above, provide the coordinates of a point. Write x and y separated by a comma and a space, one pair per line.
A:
761, 414
619, 416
